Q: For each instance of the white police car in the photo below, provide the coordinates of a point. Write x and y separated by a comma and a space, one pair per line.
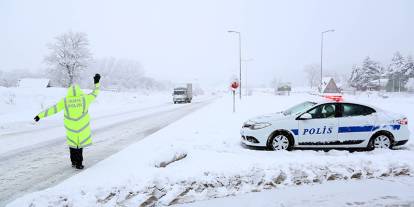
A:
327, 124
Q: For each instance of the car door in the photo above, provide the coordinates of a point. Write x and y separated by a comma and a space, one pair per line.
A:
356, 123
321, 128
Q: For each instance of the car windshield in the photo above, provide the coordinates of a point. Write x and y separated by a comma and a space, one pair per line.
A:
298, 108
179, 92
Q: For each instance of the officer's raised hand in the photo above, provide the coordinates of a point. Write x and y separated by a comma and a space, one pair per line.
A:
37, 118
96, 78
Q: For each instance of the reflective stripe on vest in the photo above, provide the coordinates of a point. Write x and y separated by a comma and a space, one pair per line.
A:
66, 107
73, 142
86, 139
77, 131
55, 109
47, 110
84, 105
76, 119
73, 90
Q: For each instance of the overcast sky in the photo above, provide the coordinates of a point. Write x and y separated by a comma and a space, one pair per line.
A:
186, 40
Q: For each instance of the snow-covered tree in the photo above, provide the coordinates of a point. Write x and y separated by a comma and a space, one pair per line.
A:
312, 75
396, 73
409, 67
410, 85
69, 56
121, 74
362, 76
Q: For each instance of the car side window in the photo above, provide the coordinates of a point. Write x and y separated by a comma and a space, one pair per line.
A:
323, 111
355, 110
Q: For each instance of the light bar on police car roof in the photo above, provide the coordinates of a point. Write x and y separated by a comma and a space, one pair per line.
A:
336, 98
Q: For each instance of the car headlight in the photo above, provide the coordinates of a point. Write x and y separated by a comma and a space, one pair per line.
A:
260, 125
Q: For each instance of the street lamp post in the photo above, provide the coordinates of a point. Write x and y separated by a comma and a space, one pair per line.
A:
240, 61
331, 30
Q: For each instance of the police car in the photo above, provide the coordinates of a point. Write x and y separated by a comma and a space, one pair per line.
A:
327, 124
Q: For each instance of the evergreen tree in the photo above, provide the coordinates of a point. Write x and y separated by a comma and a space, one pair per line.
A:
396, 73
409, 67
362, 76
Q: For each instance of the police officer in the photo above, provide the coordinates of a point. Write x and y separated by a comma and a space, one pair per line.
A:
76, 119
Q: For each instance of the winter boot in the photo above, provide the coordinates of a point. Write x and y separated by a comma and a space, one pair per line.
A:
79, 167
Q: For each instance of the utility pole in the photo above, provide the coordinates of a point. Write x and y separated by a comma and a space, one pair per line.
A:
331, 30
240, 61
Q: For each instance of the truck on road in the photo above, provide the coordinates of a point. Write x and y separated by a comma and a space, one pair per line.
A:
183, 94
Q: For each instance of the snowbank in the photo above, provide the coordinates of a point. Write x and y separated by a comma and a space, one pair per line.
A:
200, 157
361, 193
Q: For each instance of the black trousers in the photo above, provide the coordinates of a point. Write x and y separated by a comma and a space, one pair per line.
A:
76, 156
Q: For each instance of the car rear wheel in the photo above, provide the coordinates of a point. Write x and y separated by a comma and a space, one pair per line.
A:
280, 142
380, 141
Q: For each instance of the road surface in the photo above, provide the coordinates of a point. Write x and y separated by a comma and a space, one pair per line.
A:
41, 165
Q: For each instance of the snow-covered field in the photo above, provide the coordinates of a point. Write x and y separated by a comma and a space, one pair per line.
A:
200, 157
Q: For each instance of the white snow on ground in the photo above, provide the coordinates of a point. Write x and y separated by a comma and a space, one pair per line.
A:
33, 83
362, 193
211, 162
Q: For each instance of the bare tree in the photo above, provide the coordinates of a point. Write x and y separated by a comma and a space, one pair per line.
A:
120, 74
312, 74
69, 56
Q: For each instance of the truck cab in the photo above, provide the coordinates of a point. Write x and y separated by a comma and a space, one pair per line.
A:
183, 94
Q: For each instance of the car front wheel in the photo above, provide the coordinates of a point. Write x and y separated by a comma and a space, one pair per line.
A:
280, 142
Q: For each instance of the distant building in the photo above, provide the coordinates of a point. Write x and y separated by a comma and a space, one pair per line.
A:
34, 83
328, 86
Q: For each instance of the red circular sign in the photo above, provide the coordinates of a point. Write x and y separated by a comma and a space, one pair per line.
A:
234, 85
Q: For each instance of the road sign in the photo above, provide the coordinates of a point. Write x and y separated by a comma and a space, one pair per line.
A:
234, 85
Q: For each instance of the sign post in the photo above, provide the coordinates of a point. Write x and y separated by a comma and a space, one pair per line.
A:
234, 86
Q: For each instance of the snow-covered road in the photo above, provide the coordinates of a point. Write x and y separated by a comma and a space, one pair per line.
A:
44, 160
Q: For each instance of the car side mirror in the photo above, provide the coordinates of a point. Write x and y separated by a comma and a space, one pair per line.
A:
305, 116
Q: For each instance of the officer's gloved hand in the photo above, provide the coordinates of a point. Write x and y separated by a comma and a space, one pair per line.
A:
96, 78
37, 118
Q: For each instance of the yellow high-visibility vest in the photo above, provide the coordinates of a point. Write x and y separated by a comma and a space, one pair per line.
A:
76, 117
